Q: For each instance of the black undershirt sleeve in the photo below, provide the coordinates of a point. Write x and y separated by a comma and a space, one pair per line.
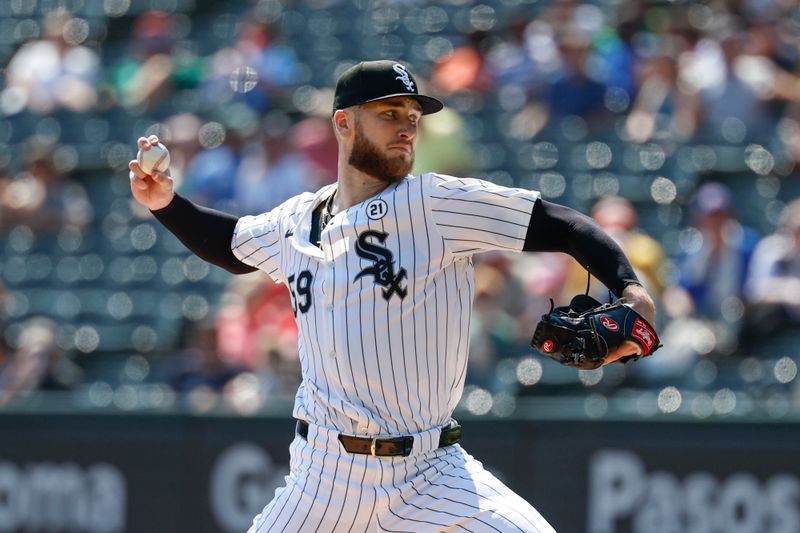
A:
205, 232
555, 228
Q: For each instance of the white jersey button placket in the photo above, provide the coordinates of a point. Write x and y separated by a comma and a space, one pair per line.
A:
328, 289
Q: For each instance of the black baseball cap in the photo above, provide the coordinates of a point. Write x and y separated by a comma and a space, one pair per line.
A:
369, 81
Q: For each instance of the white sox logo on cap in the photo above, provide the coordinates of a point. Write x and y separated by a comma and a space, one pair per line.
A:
400, 69
370, 81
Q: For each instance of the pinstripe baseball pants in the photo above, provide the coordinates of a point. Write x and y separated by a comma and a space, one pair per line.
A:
432, 490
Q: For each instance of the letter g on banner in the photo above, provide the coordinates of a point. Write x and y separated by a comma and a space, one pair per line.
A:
242, 481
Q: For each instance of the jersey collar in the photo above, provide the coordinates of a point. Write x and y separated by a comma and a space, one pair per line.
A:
299, 240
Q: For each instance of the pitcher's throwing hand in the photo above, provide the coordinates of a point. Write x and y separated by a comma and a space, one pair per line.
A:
154, 191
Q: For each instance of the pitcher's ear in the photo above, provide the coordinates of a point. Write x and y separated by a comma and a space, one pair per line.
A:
342, 121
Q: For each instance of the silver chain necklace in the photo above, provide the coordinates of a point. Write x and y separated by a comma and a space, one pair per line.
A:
327, 212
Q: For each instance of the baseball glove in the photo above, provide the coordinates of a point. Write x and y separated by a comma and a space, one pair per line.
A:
582, 334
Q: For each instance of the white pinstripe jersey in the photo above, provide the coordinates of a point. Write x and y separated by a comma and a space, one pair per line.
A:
383, 306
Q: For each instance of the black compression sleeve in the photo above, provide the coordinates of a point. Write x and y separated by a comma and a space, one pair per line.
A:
555, 228
207, 233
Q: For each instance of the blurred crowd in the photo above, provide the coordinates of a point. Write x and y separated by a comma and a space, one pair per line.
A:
589, 103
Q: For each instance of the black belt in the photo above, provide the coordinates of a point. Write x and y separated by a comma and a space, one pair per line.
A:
385, 446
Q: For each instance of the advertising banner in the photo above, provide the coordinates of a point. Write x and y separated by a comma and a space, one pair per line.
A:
176, 473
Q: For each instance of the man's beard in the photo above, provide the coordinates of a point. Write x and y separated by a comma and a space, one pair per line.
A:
367, 158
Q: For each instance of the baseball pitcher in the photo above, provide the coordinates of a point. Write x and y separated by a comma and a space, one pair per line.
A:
379, 268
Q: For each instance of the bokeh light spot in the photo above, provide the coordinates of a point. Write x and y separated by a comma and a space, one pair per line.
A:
669, 400
724, 401
243, 79
479, 401
652, 157
785, 370
598, 155
120, 305
116, 8
529, 371
482, 17
87, 339
552, 184
143, 237
211, 135
663, 190
76, 31
590, 377
759, 159
595, 405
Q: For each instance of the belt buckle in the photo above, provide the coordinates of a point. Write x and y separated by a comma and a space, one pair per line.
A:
373, 447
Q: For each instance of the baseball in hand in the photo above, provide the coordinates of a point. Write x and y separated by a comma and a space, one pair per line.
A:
156, 159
